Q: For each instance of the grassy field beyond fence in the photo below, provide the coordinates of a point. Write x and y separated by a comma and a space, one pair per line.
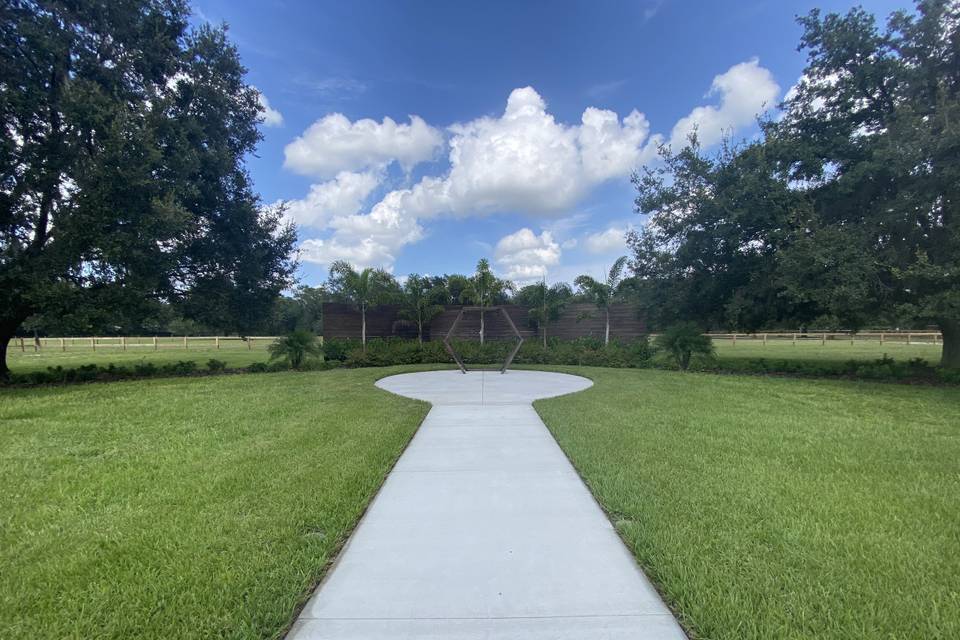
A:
833, 347
24, 356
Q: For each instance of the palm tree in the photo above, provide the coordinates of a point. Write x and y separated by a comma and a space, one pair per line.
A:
485, 289
295, 347
364, 289
603, 294
545, 303
419, 302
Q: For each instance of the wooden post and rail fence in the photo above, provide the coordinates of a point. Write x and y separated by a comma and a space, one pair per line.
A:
145, 343
822, 337
155, 343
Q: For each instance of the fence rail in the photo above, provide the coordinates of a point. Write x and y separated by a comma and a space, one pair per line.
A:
907, 337
154, 343
157, 343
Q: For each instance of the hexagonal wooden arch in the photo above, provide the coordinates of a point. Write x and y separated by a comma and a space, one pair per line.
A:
453, 327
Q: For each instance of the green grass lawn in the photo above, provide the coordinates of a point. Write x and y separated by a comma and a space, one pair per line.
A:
833, 350
185, 508
235, 355
778, 508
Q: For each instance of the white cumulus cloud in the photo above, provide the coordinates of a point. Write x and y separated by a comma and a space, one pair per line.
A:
334, 143
523, 161
370, 240
342, 196
745, 90
525, 256
526, 161
612, 240
271, 117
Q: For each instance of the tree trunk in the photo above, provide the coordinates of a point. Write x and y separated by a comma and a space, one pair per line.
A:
363, 326
4, 370
543, 317
606, 337
8, 327
951, 344
481, 326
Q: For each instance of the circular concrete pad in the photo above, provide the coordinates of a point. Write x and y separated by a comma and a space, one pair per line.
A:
483, 387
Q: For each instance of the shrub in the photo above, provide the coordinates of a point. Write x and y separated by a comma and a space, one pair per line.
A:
683, 341
214, 365
338, 348
179, 368
145, 369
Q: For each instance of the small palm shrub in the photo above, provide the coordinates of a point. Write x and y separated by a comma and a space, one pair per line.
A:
683, 341
295, 347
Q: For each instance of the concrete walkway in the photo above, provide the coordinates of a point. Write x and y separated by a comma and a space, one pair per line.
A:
484, 530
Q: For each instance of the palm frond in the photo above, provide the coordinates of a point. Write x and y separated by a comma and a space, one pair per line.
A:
616, 272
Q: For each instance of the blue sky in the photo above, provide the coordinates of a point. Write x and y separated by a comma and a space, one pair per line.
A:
422, 136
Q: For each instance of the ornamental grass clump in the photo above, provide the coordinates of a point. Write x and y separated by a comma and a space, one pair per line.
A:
683, 341
295, 347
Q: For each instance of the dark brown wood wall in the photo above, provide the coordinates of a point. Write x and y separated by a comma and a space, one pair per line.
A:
578, 320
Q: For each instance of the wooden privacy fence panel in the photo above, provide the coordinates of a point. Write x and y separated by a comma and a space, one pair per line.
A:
580, 320
343, 321
494, 324
577, 320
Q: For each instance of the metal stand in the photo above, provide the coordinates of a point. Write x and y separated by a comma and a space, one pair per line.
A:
453, 327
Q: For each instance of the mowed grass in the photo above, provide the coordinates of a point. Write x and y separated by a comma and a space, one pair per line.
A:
831, 350
185, 508
778, 508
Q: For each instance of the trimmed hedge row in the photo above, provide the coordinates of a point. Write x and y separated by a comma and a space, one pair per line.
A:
583, 351
914, 370
637, 353
113, 373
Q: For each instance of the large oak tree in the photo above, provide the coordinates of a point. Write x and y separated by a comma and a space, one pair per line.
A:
122, 178
849, 207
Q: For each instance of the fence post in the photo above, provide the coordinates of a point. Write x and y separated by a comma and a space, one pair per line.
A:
881, 337
851, 338
734, 339
823, 340
909, 336
154, 343
93, 343
22, 348
794, 339
249, 344
123, 342
217, 340
63, 345
764, 339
